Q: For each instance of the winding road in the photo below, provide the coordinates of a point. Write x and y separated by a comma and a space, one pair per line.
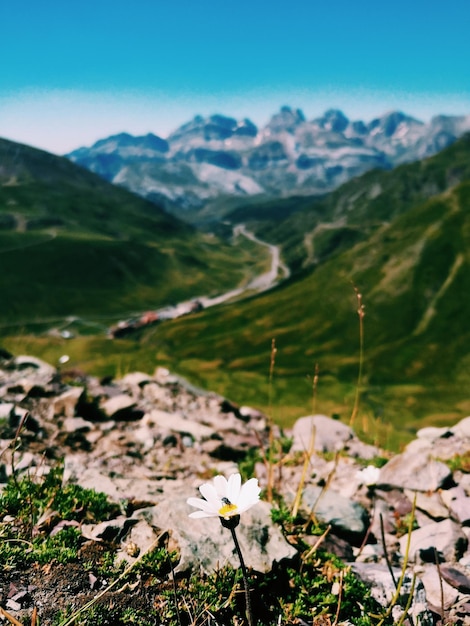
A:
279, 271
263, 282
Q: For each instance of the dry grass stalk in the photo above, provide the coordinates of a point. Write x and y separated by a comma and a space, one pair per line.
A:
361, 314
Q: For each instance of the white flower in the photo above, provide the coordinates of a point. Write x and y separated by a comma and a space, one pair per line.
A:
368, 476
225, 498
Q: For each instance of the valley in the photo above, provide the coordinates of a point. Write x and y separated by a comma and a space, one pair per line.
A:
265, 272
254, 284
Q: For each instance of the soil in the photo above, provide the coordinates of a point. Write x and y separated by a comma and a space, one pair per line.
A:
56, 590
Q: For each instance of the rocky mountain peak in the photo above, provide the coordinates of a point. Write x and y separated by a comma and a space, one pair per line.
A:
388, 124
215, 127
290, 155
286, 120
333, 120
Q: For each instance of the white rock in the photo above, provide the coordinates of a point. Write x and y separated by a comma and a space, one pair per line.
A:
417, 472
431, 433
75, 424
435, 585
462, 429
172, 422
6, 410
329, 435
446, 538
431, 503
118, 403
66, 403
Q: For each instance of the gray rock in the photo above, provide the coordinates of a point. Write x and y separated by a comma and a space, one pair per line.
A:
37, 366
382, 588
205, 545
459, 504
445, 539
175, 423
431, 433
66, 403
76, 424
439, 594
6, 410
417, 472
462, 428
120, 407
348, 518
115, 487
135, 379
329, 435
430, 503
457, 576
113, 530
141, 538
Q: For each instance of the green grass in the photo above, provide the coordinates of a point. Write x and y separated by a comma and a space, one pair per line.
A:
32, 510
356, 209
72, 244
95, 277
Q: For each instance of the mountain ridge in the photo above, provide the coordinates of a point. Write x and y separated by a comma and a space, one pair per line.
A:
216, 156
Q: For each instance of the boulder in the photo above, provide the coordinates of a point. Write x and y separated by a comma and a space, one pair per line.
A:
382, 588
176, 423
416, 472
462, 428
329, 435
121, 407
348, 518
439, 594
442, 540
430, 503
205, 545
66, 403
458, 503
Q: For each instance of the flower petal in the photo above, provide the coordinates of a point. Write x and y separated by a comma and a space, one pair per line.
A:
249, 494
210, 494
221, 486
233, 488
196, 514
199, 503
225, 498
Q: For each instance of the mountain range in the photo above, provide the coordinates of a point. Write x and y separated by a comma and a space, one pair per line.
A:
218, 156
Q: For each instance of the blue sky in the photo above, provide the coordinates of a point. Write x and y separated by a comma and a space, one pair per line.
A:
74, 72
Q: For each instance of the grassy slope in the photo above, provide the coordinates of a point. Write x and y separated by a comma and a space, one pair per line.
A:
412, 269
414, 275
357, 208
72, 244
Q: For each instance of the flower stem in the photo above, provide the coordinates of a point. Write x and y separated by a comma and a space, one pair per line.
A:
249, 613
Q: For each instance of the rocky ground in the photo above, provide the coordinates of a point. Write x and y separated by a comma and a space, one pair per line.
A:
150, 441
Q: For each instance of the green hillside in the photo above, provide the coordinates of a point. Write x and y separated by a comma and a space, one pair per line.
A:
401, 238
72, 244
310, 230
414, 276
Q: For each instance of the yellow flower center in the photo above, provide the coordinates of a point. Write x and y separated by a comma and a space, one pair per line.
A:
227, 510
